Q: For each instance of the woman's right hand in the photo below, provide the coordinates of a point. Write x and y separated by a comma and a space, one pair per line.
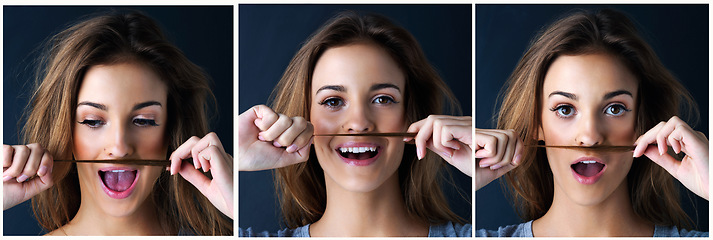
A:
20, 165
269, 140
496, 153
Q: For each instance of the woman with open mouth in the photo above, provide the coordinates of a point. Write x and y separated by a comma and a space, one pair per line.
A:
355, 78
116, 92
591, 113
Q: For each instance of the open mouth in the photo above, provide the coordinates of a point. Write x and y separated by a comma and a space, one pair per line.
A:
118, 183
588, 168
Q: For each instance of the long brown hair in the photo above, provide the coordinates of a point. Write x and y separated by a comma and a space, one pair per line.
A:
111, 39
653, 192
301, 186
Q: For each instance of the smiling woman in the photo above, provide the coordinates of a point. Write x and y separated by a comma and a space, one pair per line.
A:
113, 88
359, 74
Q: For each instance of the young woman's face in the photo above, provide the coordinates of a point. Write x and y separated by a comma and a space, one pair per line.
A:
121, 114
358, 88
588, 100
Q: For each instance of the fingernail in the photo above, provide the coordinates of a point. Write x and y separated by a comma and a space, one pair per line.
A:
6, 178
484, 165
495, 167
260, 138
292, 148
22, 178
276, 144
447, 154
516, 161
42, 171
418, 154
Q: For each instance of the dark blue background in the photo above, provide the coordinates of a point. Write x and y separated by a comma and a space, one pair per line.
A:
204, 34
678, 34
270, 35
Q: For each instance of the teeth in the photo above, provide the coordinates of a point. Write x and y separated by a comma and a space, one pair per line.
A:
118, 171
588, 162
357, 149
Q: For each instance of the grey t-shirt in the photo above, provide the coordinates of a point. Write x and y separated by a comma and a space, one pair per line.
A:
448, 229
525, 230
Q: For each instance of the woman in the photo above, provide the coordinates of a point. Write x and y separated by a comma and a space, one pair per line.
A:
114, 89
358, 75
588, 80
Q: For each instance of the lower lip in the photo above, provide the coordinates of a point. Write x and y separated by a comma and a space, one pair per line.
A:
588, 180
120, 195
363, 162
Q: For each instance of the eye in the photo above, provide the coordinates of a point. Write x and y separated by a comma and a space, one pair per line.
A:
563, 111
383, 100
616, 109
92, 123
332, 102
143, 122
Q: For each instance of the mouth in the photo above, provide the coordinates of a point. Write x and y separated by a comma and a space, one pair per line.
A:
588, 170
359, 154
118, 183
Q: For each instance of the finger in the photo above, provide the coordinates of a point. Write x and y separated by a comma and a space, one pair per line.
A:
649, 137
46, 165
519, 145
509, 150
665, 161
288, 137
7, 152
457, 135
22, 153
303, 140
210, 139
422, 137
414, 128
265, 117
182, 152
486, 144
33, 162
662, 135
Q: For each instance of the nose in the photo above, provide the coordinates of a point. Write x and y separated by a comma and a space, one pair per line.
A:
358, 119
589, 131
118, 145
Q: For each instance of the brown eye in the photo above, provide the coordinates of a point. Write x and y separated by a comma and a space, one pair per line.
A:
563, 111
616, 110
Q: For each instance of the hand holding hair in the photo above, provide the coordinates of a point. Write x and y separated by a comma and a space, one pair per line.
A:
269, 140
450, 137
692, 170
21, 163
496, 153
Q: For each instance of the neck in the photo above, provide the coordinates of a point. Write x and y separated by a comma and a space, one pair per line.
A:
612, 217
378, 213
91, 221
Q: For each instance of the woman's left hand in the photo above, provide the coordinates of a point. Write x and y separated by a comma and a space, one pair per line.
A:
451, 137
208, 155
692, 170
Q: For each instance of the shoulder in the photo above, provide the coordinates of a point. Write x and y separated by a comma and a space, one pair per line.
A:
516, 230
450, 229
673, 231
296, 232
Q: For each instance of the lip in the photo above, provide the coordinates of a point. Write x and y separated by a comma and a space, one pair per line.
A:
115, 194
362, 162
584, 179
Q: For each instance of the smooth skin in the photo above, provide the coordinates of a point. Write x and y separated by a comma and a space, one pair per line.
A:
598, 110
121, 115
356, 88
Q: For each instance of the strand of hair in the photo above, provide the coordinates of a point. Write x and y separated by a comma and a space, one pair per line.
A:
604, 148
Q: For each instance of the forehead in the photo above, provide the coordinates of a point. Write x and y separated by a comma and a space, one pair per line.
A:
356, 64
590, 74
122, 82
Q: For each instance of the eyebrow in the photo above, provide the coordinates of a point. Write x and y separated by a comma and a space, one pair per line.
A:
136, 107
606, 96
340, 88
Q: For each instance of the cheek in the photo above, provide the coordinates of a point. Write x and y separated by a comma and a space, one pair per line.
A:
86, 144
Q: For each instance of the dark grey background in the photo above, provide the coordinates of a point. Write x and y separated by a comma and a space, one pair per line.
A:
678, 34
270, 35
204, 34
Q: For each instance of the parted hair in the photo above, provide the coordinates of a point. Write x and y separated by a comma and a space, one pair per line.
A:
301, 187
652, 191
113, 38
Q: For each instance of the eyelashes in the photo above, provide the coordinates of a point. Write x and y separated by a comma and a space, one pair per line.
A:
140, 122
567, 111
336, 102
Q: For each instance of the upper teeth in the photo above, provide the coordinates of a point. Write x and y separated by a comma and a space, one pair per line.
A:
118, 171
588, 162
357, 149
